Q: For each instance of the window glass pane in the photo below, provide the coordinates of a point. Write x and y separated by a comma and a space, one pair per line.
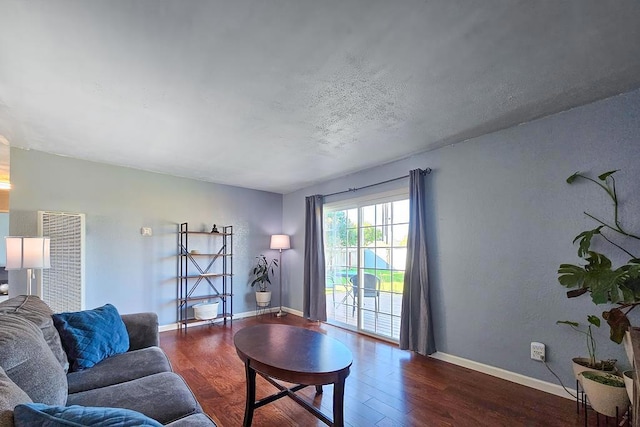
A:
395, 328
383, 216
397, 284
369, 215
365, 253
335, 229
352, 237
382, 258
376, 238
399, 258
396, 303
384, 325
369, 321
401, 211
352, 218
384, 306
400, 235
369, 235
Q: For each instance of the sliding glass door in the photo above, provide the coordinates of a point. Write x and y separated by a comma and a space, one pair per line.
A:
365, 253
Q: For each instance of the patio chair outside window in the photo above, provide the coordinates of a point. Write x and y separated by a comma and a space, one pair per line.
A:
371, 288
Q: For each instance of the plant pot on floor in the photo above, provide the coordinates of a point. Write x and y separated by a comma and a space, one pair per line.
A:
263, 298
606, 392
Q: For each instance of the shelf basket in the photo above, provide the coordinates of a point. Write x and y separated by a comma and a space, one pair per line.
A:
206, 310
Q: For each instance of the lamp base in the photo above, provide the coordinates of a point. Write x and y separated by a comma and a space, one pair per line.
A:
281, 313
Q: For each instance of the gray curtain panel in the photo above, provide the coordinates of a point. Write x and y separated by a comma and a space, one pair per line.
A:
315, 307
416, 327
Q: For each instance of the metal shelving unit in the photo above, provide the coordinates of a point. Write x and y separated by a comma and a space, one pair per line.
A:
215, 269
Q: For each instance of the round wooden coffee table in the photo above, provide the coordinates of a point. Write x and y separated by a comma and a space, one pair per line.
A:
295, 355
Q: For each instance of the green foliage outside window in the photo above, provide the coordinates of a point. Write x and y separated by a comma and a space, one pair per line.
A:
341, 232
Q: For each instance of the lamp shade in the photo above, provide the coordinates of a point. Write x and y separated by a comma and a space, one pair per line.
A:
280, 241
27, 252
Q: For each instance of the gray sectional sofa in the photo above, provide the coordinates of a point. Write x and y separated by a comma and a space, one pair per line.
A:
34, 368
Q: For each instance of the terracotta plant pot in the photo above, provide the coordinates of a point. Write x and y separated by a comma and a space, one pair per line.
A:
605, 399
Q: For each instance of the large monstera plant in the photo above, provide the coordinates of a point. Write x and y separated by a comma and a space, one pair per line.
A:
598, 277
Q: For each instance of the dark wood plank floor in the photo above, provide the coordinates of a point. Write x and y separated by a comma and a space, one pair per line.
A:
387, 386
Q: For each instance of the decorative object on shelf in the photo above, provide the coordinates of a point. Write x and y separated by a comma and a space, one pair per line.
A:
280, 242
28, 253
598, 278
214, 229
581, 364
202, 267
206, 310
607, 393
261, 271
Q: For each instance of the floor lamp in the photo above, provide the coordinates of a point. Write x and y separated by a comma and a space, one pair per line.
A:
28, 253
280, 242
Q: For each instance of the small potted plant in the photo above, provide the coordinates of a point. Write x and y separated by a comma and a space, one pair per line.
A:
591, 363
261, 271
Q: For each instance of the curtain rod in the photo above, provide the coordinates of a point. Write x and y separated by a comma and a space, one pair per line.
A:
422, 172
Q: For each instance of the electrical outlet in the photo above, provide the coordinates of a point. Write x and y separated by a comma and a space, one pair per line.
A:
538, 351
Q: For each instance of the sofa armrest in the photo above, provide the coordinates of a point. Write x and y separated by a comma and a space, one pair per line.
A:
142, 329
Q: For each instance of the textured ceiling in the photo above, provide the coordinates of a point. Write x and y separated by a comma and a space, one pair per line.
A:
278, 95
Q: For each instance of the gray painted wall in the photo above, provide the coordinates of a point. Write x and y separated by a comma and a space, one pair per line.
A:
502, 219
132, 272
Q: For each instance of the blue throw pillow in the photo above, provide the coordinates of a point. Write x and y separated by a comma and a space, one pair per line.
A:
92, 335
38, 414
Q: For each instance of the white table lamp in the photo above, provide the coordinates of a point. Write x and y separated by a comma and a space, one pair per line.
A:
280, 242
28, 253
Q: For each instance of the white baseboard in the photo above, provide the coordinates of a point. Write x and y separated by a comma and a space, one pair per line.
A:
292, 311
506, 375
174, 326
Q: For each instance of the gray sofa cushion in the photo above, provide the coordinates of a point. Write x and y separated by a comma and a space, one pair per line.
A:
120, 368
142, 329
34, 309
195, 420
164, 397
28, 361
10, 396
